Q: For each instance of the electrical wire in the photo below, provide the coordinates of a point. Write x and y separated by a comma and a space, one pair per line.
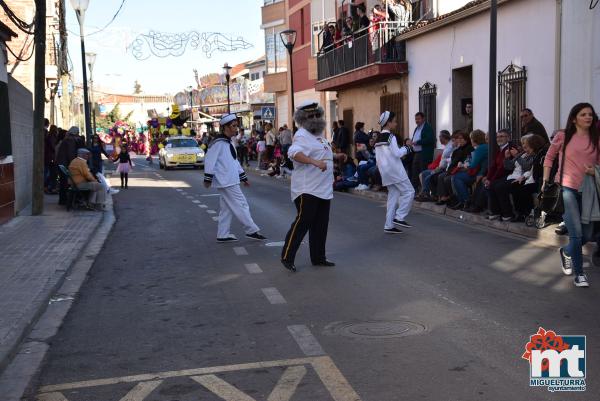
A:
105, 26
18, 22
593, 5
19, 57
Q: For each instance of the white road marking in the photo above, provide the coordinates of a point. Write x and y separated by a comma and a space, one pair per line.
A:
195, 201
51, 397
211, 212
273, 295
306, 341
210, 195
287, 384
277, 243
253, 268
141, 391
215, 218
203, 206
240, 250
332, 378
178, 189
222, 389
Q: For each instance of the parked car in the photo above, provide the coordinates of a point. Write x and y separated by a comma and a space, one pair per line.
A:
180, 151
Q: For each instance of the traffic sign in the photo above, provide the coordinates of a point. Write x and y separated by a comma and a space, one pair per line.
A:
267, 113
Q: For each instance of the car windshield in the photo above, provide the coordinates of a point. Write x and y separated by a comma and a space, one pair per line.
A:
183, 143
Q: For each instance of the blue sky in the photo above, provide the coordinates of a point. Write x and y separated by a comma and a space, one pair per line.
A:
116, 69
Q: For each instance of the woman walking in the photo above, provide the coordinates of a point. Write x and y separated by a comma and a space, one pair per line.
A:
312, 186
578, 150
124, 166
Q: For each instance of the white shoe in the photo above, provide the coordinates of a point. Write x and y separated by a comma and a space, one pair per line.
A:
362, 187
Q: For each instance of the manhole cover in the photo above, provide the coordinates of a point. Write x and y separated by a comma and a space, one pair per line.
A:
375, 328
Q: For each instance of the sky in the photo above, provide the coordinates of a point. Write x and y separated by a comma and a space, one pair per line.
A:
116, 69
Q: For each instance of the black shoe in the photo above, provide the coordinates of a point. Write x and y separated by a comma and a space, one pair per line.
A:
288, 265
402, 223
457, 206
257, 236
561, 230
519, 218
231, 238
325, 262
392, 231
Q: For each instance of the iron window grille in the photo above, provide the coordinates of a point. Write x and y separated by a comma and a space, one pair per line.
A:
427, 103
512, 98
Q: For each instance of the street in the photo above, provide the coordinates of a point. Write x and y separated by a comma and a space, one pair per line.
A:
442, 312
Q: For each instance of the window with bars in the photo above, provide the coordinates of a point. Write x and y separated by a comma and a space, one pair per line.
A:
512, 98
427, 103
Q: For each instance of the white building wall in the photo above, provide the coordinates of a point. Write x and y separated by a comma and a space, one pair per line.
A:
446, 6
580, 57
526, 31
282, 110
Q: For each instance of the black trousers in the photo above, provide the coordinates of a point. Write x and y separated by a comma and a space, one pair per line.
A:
523, 197
417, 166
313, 217
500, 197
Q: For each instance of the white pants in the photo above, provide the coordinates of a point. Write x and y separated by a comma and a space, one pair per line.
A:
97, 192
233, 203
399, 201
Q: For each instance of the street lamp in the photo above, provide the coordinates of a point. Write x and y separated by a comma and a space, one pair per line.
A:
80, 6
91, 59
288, 37
226, 70
190, 90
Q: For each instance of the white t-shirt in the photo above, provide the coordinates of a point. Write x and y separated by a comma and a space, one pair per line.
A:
308, 179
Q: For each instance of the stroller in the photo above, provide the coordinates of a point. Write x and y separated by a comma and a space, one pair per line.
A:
547, 206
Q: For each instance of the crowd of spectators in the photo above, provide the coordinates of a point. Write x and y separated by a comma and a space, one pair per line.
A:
360, 22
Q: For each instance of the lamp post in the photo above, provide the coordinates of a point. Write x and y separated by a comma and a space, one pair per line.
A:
91, 59
190, 90
288, 37
226, 70
492, 149
80, 6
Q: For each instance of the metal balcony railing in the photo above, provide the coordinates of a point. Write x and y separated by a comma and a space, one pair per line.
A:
375, 44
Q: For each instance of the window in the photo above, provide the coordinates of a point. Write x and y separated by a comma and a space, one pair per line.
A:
393, 102
511, 99
275, 51
427, 103
267, 2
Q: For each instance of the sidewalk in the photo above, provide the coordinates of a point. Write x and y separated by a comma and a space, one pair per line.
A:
36, 253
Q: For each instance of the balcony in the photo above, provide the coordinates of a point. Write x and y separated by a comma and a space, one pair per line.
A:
366, 55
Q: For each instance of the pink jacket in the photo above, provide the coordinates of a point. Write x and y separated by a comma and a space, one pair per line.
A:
579, 153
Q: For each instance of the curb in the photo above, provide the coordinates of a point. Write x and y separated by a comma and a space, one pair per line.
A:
544, 237
28, 355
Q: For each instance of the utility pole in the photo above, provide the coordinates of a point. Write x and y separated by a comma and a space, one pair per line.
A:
492, 148
37, 206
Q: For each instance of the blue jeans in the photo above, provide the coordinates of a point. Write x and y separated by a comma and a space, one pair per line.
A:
363, 172
425, 178
579, 234
461, 182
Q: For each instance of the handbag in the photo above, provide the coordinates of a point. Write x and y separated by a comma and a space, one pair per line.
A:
550, 198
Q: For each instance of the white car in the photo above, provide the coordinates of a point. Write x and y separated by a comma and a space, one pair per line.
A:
181, 151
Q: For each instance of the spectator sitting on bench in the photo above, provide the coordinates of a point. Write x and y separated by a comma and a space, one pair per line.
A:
85, 181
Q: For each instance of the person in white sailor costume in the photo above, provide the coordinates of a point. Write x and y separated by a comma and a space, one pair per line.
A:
223, 171
311, 186
389, 162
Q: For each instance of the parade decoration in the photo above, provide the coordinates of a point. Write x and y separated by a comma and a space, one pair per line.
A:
163, 44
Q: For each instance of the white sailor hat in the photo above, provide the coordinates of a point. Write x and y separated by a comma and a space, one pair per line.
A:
227, 118
308, 105
384, 118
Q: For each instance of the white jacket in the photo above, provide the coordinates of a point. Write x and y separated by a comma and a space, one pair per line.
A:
221, 167
389, 158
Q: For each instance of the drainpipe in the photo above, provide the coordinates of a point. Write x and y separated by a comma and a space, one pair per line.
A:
557, 64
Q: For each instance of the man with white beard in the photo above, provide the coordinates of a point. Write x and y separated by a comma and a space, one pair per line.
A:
311, 187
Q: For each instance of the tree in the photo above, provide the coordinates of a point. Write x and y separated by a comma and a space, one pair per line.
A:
137, 87
108, 121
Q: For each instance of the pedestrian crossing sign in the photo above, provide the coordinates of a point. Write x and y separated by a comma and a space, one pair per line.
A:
267, 113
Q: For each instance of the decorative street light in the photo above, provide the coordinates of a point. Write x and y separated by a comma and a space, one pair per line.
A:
226, 70
288, 37
91, 59
80, 6
190, 89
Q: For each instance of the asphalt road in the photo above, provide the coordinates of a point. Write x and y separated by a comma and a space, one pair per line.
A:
442, 312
